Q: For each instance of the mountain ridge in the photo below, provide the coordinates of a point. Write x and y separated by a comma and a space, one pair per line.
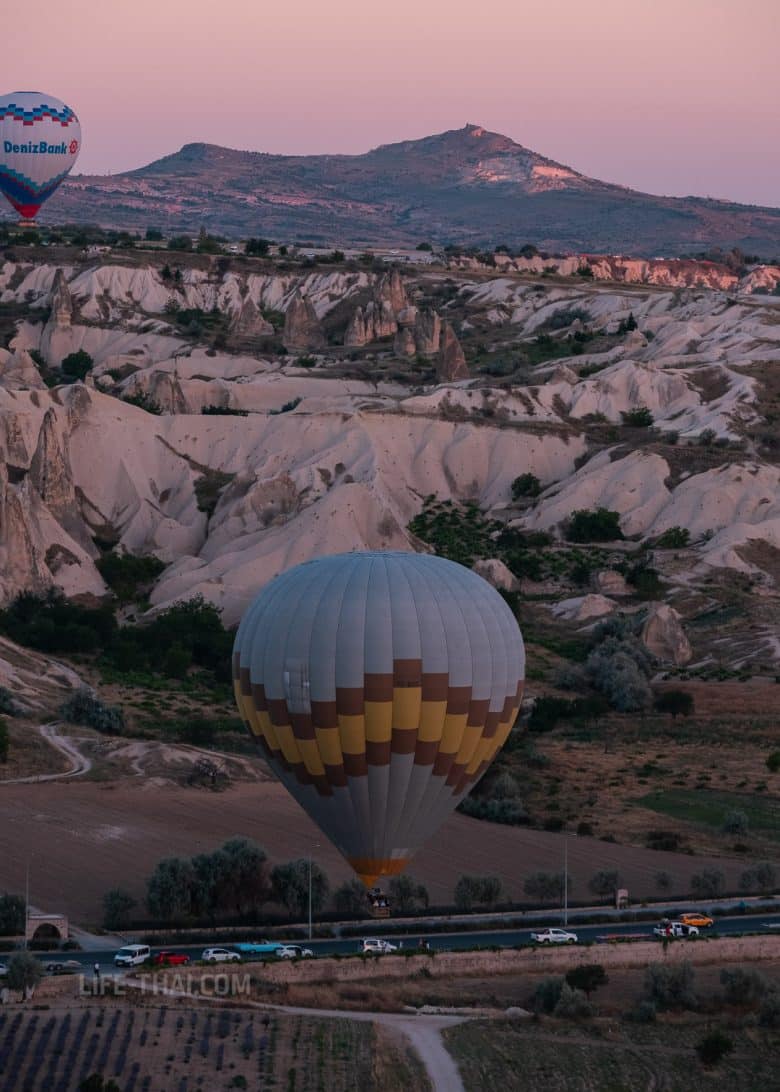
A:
465, 186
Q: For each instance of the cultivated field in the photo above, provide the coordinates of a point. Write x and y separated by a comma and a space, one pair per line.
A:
177, 1048
83, 838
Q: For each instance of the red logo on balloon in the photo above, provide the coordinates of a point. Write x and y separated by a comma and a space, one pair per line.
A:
74, 147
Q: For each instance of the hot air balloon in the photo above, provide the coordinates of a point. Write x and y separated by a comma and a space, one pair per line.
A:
40, 138
379, 686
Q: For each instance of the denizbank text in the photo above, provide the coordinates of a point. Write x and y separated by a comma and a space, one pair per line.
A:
35, 149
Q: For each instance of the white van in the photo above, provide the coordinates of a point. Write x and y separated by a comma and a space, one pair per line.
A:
132, 954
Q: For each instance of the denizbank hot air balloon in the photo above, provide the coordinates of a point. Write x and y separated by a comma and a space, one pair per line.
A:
379, 686
40, 139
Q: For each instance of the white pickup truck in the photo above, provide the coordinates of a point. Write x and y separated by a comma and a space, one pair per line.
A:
554, 936
675, 929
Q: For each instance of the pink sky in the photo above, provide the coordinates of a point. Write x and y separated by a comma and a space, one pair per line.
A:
668, 96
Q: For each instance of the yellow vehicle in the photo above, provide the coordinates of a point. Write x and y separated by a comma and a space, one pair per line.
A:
699, 920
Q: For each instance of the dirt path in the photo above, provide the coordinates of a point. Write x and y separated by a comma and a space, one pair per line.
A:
422, 1031
80, 764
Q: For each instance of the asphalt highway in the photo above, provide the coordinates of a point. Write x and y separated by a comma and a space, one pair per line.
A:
768, 925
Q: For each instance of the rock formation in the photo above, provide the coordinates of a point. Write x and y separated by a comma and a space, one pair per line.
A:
496, 573
404, 344
427, 332
357, 333
664, 637
390, 289
249, 322
451, 365
20, 372
609, 582
302, 329
61, 301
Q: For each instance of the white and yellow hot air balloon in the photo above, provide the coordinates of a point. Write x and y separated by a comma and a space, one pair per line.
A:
379, 686
40, 139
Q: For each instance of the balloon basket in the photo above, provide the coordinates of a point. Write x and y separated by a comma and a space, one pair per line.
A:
25, 223
378, 903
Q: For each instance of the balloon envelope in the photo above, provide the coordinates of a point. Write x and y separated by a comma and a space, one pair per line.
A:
379, 686
40, 139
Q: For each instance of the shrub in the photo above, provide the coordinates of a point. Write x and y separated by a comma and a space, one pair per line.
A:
547, 995
126, 574
587, 977
674, 538
773, 762
670, 986
743, 986
526, 485
618, 669
86, 708
675, 702
760, 877
601, 525
640, 417
508, 811
708, 884
736, 822
77, 364
714, 1047
572, 1004
118, 905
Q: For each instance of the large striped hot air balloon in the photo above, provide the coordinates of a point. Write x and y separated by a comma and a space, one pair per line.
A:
40, 139
379, 686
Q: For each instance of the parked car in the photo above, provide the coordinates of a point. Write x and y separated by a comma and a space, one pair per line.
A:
701, 921
675, 929
170, 959
293, 951
67, 966
132, 954
377, 946
258, 947
554, 936
220, 955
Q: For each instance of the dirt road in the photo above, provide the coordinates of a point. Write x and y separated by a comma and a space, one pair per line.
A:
80, 764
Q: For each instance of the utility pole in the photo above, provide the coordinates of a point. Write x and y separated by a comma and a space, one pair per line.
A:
315, 845
565, 879
26, 902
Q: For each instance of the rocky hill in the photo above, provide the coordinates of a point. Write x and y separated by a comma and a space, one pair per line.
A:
233, 422
467, 186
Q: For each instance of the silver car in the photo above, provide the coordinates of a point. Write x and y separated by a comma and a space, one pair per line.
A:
220, 955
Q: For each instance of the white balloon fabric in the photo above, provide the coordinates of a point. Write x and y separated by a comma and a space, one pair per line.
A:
40, 139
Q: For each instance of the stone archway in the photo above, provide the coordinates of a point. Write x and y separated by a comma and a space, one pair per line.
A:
46, 927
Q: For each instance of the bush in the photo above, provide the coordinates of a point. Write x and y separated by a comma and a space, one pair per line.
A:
77, 364
708, 884
675, 702
526, 485
126, 574
86, 708
736, 822
760, 877
510, 812
572, 1004
546, 995
743, 986
714, 1047
587, 977
619, 668
674, 538
773, 762
600, 525
670, 986
118, 905
641, 417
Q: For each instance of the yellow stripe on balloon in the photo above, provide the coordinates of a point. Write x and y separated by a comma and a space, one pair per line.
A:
311, 756
432, 715
379, 721
352, 732
288, 744
452, 733
329, 746
406, 706
471, 737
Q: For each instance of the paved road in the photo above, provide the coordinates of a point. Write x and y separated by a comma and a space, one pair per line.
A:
769, 924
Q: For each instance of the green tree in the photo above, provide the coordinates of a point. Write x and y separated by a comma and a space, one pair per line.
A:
118, 906
761, 877
736, 822
171, 890
24, 972
180, 242
573, 1004
544, 886
257, 248
640, 417
708, 884
97, 1083
743, 985
547, 995
77, 365
674, 538
290, 886
5, 740
714, 1047
406, 894
153, 235
350, 899
526, 485
601, 525
675, 702
587, 977
604, 883
12, 915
